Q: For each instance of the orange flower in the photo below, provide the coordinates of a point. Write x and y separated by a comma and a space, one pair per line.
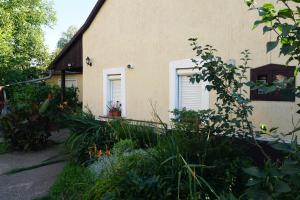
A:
108, 152
100, 153
61, 106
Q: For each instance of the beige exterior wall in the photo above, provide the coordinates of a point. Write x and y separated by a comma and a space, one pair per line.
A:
78, 77
149, 34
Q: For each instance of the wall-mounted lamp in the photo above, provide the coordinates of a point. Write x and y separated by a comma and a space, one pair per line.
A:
88, 61
130, 66
69, 65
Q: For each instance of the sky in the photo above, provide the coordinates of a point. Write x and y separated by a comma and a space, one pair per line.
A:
68, 12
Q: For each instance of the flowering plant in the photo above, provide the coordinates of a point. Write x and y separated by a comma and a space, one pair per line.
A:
114, 109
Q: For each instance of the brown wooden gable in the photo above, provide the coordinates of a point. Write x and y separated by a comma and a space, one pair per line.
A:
71, 59
71, 55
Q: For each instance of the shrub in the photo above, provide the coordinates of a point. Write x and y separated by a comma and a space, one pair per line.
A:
32, 115
127, 174
89, 135
104, 163
145, 134
29, 132
87, 132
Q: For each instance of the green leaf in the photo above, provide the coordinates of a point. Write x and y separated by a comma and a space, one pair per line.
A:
296, 71
268, 6
285, 29
249, 2
253, 182
266, 29
287, 49
285, 13
209, 87
282, 187
257, 23
271, 45
254, 171
283, 147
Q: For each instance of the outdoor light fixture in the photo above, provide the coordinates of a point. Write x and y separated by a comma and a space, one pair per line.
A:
88, 61
69, 65
130, 66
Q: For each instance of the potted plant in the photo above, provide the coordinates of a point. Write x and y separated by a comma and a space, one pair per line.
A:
115, 109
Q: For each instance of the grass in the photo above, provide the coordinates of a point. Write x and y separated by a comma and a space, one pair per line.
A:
71, 184
4, 148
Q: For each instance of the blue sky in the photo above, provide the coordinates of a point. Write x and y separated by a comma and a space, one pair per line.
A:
69, 12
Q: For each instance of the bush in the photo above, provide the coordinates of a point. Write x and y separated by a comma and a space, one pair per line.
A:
127, 174
87, 133
145, 134
33, 116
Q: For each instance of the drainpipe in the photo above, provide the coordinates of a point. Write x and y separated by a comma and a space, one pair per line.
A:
33, 80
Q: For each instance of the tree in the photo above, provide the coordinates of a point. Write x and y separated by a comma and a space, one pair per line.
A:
21, 35
66, 37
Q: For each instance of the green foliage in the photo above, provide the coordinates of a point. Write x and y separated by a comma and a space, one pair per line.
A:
29, 133
276, 180
191, 121
72, 183
86, 131
282, 19
232, 107
129, 174
21, 33
4, 148
89, 135
145, 134
33, 115
10, 75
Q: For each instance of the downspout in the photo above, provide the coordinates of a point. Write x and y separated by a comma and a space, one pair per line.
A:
3, 104
33, 80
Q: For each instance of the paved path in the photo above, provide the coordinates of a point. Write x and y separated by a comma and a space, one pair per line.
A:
34, 183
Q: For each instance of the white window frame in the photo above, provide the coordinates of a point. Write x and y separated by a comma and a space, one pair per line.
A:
106, 90
68, 79
174, 84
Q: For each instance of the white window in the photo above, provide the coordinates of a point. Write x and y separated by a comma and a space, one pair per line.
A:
183, 93
69, 83
189, 94
115, 94
114, 89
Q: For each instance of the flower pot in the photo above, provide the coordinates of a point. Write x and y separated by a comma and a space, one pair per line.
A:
116, 114
110, 114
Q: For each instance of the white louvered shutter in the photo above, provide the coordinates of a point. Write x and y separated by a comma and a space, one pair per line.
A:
190, 94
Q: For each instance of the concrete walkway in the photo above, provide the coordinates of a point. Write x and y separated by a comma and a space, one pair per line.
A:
34, 183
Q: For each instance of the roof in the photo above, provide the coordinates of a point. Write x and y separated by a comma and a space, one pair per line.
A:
77, 38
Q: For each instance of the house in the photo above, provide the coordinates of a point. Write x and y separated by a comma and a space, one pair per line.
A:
137, 52
72, 79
